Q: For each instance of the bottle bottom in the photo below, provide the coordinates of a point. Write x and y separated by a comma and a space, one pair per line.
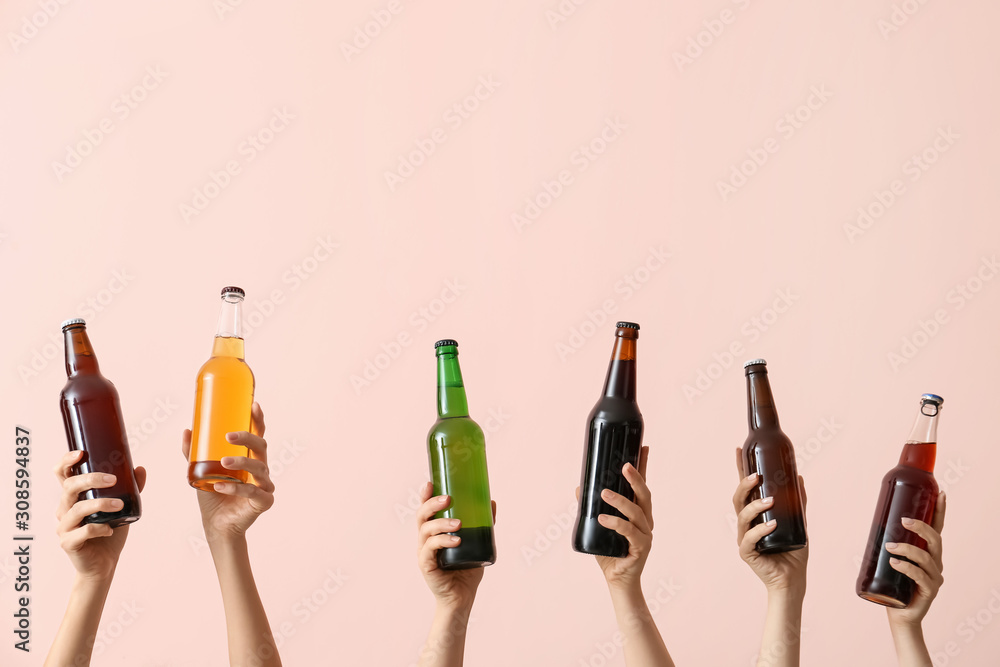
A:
204, 475
114, 519
477, 549
884, 600
778, 548
590, 537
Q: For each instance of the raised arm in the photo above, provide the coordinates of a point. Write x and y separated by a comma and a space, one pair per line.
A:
226, 515
641, 639
454, 591
925, 569
94, 549
783, 575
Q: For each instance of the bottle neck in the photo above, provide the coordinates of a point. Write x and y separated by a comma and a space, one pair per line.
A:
231, 317
760, 402
620, 381
920, 450
451, 400
80, 356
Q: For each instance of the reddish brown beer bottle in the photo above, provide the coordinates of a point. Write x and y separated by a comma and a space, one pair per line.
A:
92, 415
768, 452
908, 491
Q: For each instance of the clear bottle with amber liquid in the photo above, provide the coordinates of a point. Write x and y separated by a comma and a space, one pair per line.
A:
223, 399
908, 491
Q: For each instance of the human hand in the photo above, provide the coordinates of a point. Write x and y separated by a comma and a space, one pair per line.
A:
925, 568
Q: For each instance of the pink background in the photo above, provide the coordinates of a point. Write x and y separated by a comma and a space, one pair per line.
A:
354, 459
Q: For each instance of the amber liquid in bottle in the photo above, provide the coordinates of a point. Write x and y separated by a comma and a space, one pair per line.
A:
908, 490
223, 400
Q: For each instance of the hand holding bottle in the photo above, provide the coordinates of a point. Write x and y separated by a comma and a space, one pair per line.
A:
785, 571
637, 527
925, 568
233, 507
93, 548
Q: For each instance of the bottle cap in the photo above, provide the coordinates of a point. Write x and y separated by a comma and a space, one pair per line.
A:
233, 290
446, 341
73, 322
755, 362
627, 325
932, 398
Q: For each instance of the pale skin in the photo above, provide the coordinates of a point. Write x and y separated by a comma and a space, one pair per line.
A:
93, 549
783, 575
925, 571
454, 590
226, 515
642, 642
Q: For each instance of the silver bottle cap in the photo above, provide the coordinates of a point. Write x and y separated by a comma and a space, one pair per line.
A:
69, 323
755, 362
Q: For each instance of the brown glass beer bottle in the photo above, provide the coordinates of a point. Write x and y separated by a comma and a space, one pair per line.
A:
768, 452
92, 415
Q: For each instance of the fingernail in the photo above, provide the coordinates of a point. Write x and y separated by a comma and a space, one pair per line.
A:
768, 500
772, 522
222, 486
442, 500
108, 479
232, 437
117, 504
227, 461
455, 523
891, 545
894, 561
453, 539
907, 521
606, 494
752, 477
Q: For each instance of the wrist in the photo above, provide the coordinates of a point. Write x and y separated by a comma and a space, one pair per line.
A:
93, 580
793, 594
457, 611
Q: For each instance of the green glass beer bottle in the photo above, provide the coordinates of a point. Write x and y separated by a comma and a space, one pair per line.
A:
456, 450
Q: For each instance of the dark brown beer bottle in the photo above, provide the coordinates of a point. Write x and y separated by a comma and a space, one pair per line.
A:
768, 452
614, 438
908, 491
92, 415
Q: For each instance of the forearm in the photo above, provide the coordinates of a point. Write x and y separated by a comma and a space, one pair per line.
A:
445, 645
641, 639
911, 651
247, 629
779, 647
74, 642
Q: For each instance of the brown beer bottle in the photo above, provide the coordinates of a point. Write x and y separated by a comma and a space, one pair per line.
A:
613, 438
908, 491
92, 415
768, 452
